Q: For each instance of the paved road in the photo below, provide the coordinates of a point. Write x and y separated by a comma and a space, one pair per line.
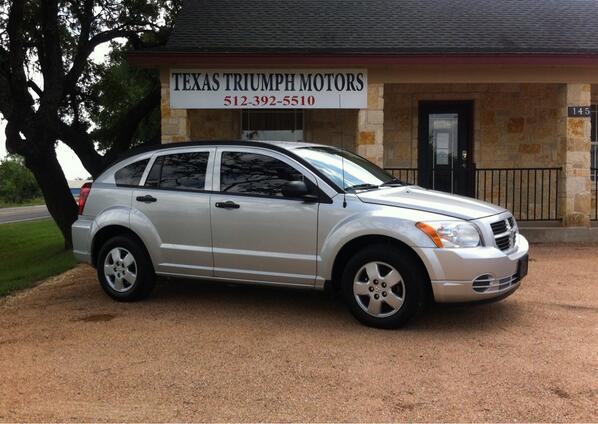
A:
24, 213
211, 352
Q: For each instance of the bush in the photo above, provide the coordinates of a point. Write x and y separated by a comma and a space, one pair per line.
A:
17, 183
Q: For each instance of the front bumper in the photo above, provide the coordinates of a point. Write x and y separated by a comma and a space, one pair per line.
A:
469, 275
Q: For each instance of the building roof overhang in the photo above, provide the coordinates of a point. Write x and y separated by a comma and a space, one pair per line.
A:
161, 59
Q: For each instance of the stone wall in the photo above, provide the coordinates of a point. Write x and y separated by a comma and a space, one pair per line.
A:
515, 125
215, 124
593, 206
370, 126
334, 127
174, 122
327, 126
576, 194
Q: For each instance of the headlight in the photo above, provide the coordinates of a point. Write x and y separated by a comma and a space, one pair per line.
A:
451, 233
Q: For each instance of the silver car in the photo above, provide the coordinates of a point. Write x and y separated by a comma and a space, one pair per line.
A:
294, 215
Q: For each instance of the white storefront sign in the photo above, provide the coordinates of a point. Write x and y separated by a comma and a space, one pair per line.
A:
268, 89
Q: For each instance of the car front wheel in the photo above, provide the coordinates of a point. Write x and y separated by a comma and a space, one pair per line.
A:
382, 286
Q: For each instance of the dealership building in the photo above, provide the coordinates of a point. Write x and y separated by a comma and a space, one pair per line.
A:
492, 99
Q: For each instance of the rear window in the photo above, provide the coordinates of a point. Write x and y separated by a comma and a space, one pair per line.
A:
131, 174
183, 171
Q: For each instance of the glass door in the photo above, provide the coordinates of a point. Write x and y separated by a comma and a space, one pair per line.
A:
445, 147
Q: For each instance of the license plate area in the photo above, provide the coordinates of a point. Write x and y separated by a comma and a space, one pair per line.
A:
522, 267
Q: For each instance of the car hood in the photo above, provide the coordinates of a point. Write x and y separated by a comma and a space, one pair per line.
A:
414, 197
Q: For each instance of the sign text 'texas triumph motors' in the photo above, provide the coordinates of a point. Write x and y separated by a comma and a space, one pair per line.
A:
268, 89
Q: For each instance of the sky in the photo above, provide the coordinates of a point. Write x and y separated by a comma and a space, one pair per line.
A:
71, 165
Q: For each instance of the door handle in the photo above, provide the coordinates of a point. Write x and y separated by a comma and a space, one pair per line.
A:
227, 205
146, 199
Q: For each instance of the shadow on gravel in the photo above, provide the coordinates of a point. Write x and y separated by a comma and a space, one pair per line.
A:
298, 306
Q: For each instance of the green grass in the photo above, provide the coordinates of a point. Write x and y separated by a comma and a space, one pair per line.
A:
31, 251
30, 202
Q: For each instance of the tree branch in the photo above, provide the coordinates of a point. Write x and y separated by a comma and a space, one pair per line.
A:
124, 130
82, 52
15, 100
32, 85
85, 49
121, 134
14, 142
16, 61
81, 143
51, 57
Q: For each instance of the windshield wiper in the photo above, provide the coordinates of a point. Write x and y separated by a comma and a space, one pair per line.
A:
393, 182
366, 186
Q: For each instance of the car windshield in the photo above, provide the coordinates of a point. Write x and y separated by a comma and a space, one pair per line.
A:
346, 169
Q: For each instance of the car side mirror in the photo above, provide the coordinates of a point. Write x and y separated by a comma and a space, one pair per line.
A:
297, 190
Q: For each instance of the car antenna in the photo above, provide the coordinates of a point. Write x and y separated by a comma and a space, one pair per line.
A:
343, 160
343, 167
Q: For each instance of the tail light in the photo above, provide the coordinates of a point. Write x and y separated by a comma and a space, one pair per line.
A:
85, 189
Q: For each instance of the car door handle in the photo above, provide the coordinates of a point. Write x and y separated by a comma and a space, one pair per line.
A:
146, 199
227, 205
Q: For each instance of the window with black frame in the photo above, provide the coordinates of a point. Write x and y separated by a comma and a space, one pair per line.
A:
255, 174
131, 174
272, 124
183, 171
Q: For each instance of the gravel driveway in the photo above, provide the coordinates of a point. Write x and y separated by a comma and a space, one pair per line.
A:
198, 352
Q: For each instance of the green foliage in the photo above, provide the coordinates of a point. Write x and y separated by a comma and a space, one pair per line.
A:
17, 183
107, 91
118, 89
96, 100
37, 201
31, 251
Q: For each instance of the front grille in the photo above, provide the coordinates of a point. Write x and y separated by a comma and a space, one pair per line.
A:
488, 284
499, 227
504, 242
505, 233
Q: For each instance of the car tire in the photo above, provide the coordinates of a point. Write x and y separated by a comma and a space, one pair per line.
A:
383, 286
125, 270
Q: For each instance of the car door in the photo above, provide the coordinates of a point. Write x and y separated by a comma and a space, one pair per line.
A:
258, 234
174, 202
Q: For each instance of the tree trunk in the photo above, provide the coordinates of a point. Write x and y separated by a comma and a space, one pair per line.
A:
59, 200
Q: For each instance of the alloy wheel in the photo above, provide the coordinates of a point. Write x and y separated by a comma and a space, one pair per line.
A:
120, 269
379, 289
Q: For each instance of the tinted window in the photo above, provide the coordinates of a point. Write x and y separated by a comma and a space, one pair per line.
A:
153, 178
184, 171
131, 174
253, 173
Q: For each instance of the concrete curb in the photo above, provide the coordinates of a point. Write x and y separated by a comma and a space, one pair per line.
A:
560, 234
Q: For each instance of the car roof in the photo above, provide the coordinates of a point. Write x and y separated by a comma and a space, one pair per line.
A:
275, 145
280, 146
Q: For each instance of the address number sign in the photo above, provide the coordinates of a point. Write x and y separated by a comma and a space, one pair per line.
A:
579, 111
